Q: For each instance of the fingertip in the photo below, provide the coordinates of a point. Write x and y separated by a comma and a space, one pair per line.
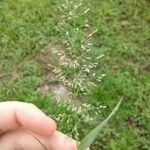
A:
60, 141
51, 127
72, 145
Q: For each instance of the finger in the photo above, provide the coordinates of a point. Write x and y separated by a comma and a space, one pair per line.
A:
19, 140
18, 114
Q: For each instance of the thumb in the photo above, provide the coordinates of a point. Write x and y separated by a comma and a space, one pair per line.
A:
15, 115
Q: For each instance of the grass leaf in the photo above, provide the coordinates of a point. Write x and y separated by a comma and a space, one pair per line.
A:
88, 140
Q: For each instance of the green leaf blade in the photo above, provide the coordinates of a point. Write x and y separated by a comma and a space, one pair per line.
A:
89, 139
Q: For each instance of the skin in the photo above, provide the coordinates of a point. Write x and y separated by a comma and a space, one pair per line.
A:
24, 127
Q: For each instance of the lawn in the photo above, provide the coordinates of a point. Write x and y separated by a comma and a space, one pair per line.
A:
75, 59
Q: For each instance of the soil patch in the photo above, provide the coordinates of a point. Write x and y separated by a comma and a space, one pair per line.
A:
49, 82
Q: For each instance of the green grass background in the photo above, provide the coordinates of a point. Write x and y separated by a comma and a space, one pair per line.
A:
26, 27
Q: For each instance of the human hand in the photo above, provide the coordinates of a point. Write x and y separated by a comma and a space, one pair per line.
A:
24, 126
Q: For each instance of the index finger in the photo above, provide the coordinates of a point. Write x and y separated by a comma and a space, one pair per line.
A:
15, 115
